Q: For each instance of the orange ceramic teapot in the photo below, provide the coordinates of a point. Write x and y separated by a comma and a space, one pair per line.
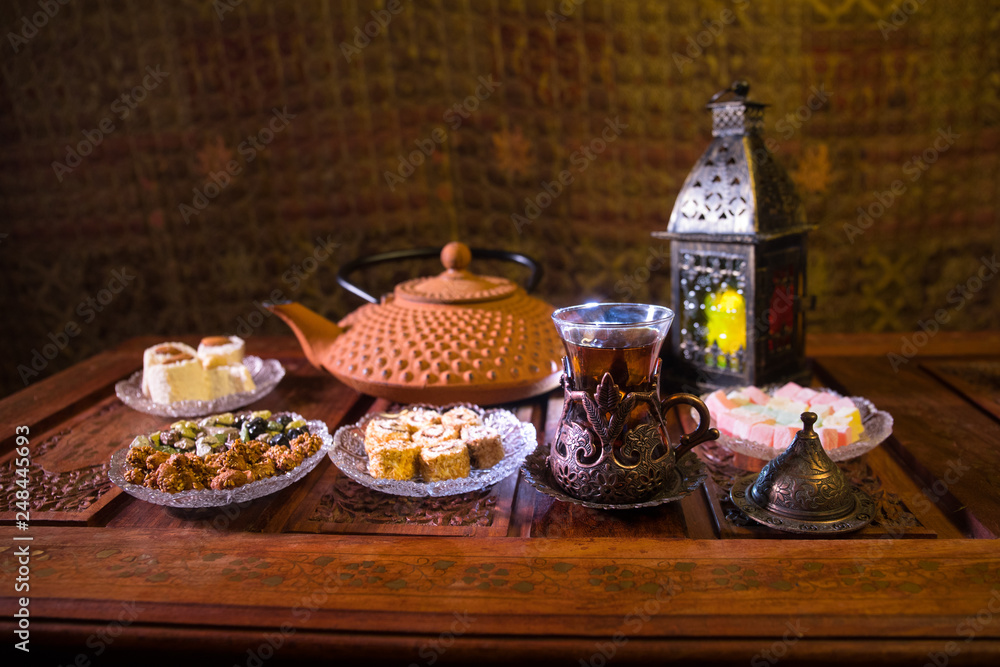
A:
453, 337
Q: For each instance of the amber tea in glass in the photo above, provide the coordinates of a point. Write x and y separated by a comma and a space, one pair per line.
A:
629, 359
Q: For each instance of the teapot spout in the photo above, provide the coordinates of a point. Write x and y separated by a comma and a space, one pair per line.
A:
316, 334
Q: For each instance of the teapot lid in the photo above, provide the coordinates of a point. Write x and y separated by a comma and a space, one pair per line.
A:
456, 285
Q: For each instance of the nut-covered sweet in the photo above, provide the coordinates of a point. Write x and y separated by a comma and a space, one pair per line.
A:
154, 462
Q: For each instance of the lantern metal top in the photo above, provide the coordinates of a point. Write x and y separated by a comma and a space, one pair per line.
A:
736, 192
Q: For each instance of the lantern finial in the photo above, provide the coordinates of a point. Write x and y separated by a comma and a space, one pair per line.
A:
739, 88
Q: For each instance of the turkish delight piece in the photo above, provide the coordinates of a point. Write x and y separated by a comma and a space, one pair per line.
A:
756, 396
784, 435
822, 410
762, 433
823, 398
717, 401
843, 403
744, 422
788, 391
737, 398
805, 394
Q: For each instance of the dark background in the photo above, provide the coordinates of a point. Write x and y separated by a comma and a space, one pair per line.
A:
890, 81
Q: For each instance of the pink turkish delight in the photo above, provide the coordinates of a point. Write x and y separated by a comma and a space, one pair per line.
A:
763, 433
784, 435
823, 398
788, 391
756, 395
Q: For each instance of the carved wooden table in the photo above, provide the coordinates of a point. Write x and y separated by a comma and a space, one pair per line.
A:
327, 569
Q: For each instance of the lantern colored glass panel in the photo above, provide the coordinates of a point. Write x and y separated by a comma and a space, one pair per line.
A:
713, 313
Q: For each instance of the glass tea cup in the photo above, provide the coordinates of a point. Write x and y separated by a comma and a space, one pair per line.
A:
612, 444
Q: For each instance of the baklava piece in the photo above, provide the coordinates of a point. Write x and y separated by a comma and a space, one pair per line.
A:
417, 418
435, 433
485, 447
382, 431
444, 460
394, 460
459, 417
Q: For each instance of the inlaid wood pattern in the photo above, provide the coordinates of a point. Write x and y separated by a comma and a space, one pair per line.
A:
373, 570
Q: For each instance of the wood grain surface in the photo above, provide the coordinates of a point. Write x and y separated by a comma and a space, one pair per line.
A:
509, 573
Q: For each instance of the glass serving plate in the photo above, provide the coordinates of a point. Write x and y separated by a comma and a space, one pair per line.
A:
212, 498
877, 425
266, 373
517, 437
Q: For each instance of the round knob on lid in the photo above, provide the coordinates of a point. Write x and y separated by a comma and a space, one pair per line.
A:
456, 256
808, 419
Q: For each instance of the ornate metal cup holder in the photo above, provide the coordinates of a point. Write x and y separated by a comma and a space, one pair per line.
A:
803, 491
584, 461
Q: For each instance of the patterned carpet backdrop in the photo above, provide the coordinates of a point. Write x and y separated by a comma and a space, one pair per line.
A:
167, 164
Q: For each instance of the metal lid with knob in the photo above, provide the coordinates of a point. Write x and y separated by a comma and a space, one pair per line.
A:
803, 490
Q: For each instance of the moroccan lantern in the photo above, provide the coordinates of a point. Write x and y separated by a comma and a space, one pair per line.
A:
738, 258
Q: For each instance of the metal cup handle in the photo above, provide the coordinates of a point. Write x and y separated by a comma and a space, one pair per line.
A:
703, 433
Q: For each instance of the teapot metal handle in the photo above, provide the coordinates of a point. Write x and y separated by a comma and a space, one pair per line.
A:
703, 433
419, 253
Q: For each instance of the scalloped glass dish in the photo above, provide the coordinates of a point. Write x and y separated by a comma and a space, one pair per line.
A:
877, 424
517, 437
266, 373
218, 498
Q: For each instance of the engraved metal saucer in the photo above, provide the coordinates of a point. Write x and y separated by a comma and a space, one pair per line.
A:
803, 491
687, 475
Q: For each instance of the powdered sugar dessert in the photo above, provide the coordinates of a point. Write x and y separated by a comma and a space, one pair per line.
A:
221, 351
174, 372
